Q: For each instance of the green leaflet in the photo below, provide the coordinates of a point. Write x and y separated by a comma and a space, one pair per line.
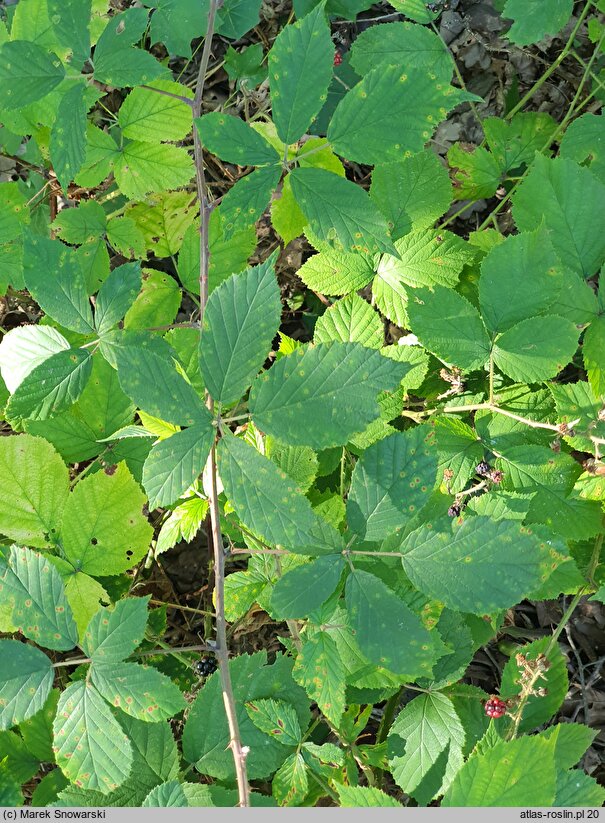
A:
233, 140
116, 295
520, 278
240, 322
90, 747
68, 137
449, 327
411, 193
340, 212
157, 304
401, 44
84, 223
389, 112
163, 221
531, 24
149, 116
300, 70
154, 384
276, 718
426, 258
113, 634
593, 352
336, 272
142, 168
355, 797
319, 670
305, 588
116, 63
567, 198
175, 463
536, 349
391, 482
433, 736
330, 389
28, 73
350, 320
70, 20
52, 386
375, 612
34, 588
583, 142
510, 773
245, 202
104, 531
177, 22
14, 212
25, 682
496, 563
268, 502
25, 347
236, 17
140, 691
31, 502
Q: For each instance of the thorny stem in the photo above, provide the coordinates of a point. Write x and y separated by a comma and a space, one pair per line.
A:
200, 647
492, 407
169, 94
221, 650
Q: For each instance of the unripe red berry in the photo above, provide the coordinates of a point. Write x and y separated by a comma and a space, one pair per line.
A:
337, 58
495, 708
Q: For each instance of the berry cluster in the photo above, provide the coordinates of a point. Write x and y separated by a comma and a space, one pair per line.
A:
337, 58
205, 666
483, 469
454, 510
495, 708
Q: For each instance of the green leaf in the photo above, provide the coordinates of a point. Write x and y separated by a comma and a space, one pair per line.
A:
236, 17
319, 670
40, 610
206, 744
28, 73
10, 791
114, 633
68, 137
175, 463
340, 212
391, 481
576, 788
31, 501
26, 680
13, 751
538, 709
401, 44
90, 747
426, 258
305, 588
84, 594
512, 773
37, 731
413, 192
367, 797
70, 20
514, 142
332, 385
375, 612
104, 531
300, 71
416, 10
496, 563
299, 462
291, 781
157, 304
520, 278
126, 237
336, 272
532, 24
390, 112
26, 347
116, 295
582, 142
63, 295
350, 320
234, 140
276, 718
268, 502
567, 198
459, 451
593, 352
52, 386
142, 168
449, 327
81, 224
177, 22
536, 349
477, 173
154, 384
164, 220
246, 201
14, 212
150, 116
141, 691
168, 795
116, 63
429, 728
240, 322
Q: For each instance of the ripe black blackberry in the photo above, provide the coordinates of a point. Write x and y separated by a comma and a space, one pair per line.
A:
454, 510
483, 469
205, 666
